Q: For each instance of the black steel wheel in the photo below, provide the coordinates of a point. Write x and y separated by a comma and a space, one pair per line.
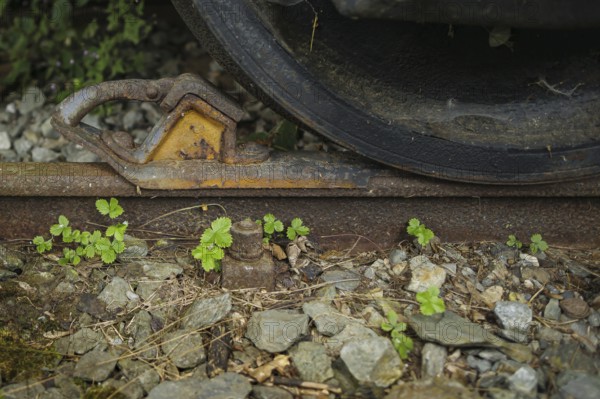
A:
419, 97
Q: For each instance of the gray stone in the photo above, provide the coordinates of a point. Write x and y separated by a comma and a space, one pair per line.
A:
66, 383
130, 390
134, 248
342, 279
513, 316
32, 99
160, 271
373, 317
552, 310
141, 327
481, 365
183, 389
93, 120
79, 343
433, 360
524, 381
380, 270
432, 388
327, 319
594, 318
48, 130
52, 393
206, 311
312, 362
549, 334
425, 274
22, 146
582, 329
578, 385
5, 143
372, 361
184, 348
10, 260
450, 268
352, 332
264, 392
141, 372
397, 255
22, 390
6, 274
41, 154
131, 118
449, 329
64, 287
152, 112
8, 156
224, 386
276, 330
114, 295
81, 155
96, 365
492, 355
327, 293
146, 289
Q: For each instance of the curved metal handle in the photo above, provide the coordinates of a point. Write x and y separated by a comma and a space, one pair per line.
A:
72, 110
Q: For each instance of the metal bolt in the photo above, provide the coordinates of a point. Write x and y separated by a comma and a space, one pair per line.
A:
247, 264
247, 240
151, 92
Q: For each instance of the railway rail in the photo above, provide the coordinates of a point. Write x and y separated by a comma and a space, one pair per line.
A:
373, 213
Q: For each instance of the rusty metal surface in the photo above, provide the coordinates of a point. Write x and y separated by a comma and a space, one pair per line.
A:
247, 240
259, 273
199, 128
334, 222
368, 179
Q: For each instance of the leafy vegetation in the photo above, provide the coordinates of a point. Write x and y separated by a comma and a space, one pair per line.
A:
271, 225
89, 245
430, 301
537, 243
297, 228
514, 242
212, 242
417, 229
64, 45
401, 341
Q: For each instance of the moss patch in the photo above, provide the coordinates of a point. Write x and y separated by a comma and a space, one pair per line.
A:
20, 360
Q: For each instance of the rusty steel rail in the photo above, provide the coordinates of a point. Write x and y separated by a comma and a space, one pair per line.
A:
32, 195
311, 176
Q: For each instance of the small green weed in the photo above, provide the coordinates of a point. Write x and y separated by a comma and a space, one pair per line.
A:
296, 229
430, 301
89, 244
514, 242
401, 341
212, 242
417, 229
271, 225
537, 243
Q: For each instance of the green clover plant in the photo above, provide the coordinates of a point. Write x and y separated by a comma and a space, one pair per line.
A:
537, 244
514, 242
401, 342
418, 230
89, 245
430, 301
212, 242
296, 229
